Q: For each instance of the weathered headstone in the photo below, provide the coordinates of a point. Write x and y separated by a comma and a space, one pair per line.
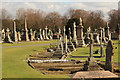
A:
43, 33
3, 34
74, 39
109, 56
101, 45
58, 41
46, 34
61, 42
7, 36
40, 35
34, 32
107, 31
80, 38
66, 47
31, 35
25, 36
19, 36
70, 44
104, 35
64, 34
14, 32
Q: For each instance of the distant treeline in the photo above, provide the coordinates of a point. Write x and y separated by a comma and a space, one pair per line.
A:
37, 19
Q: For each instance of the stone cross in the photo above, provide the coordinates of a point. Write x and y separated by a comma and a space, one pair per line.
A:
91, 45
109, 56
14, 32
26, 30
46, 33
107, 32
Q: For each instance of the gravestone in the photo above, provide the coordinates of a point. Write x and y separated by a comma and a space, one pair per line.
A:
43, 33
96, 38
40, 35
46, 34
58, 41
25, 36
101, 45
107, 31
7, 36
70, 44
50, 34
74, 39
61, 43
31, 35
64, 34
109, 56
104, 35
89, 30
66, 47
14, 32
3, 34
34, 32
19, 36
80, 37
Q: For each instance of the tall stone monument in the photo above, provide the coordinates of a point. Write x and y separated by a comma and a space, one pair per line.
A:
74, 39
14, 32
109, 56
80, 38
25, 36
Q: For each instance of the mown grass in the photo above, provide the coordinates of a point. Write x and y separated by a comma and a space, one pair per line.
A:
15, 66
86, 52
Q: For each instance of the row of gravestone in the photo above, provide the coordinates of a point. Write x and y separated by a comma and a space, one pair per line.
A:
77, 39
15, 36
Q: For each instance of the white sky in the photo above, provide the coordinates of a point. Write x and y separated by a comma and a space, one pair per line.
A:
60, 6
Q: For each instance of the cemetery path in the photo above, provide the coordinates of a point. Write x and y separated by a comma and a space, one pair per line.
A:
25, 45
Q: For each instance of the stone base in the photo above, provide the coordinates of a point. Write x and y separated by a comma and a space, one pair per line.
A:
81, 43
71, 46
94, 74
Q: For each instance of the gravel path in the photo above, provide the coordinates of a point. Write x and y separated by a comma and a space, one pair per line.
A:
25, 45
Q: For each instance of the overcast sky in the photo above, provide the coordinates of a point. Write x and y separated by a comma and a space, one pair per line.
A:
60, 6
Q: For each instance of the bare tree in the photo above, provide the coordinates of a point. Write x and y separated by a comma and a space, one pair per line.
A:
113, 19
53, 20
6, 19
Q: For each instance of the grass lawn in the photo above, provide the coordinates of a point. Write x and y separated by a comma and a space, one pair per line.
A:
15, 66
86, 52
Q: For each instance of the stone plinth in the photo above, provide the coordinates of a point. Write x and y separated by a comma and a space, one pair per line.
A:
94, 74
